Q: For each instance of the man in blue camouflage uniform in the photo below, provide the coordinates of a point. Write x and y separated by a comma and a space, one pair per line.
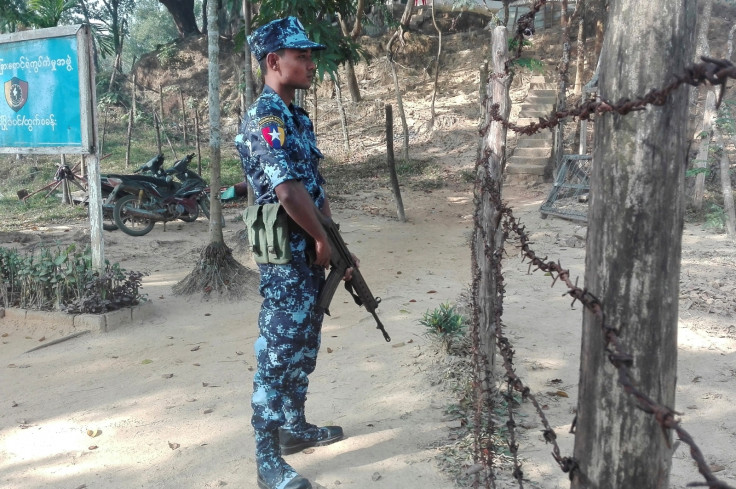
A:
280, 159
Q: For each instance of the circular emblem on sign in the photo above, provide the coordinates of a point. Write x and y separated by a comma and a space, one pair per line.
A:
16, 93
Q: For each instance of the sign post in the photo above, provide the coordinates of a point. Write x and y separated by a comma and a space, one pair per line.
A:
48, 83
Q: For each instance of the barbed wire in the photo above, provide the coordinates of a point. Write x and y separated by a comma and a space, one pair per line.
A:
711, 71
621, 359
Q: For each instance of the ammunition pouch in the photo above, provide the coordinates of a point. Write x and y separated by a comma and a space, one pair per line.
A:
268, 233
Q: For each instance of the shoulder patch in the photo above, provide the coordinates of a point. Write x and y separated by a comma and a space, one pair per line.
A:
272, 130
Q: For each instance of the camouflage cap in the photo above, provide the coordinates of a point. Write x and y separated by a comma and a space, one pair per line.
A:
280, 34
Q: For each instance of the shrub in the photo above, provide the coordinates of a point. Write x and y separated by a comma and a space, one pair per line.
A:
65, 280
444, 325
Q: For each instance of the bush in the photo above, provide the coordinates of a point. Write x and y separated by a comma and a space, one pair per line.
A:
444, 325
65, 280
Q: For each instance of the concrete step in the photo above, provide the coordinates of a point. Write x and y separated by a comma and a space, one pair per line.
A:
535, 98
518, 169
534, 112
541, 152
529, 142
525, 121
543, 92
528, 164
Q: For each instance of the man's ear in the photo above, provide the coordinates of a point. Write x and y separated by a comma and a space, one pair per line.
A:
272, 61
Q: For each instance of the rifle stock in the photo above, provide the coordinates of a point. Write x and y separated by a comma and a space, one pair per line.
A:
340, 261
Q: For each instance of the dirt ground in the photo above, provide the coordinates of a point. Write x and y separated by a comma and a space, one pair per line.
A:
165, 402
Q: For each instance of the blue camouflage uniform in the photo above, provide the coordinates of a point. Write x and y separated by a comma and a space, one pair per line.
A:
276, 144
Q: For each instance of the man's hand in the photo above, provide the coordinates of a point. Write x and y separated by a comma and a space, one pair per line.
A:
323, 253
298, 204
349, 271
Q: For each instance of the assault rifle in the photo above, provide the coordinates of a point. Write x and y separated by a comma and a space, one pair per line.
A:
340, 261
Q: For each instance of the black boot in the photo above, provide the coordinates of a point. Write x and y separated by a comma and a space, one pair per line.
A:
296, 440
273, 471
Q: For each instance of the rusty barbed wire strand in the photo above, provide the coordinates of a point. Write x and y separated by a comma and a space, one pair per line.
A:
715, 72
617, 356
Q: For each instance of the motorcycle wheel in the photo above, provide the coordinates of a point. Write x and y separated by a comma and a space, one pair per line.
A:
190, 217
134, 226
204, 203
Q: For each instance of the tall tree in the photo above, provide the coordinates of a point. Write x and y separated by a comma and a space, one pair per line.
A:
216, 270
353, 34
114, 16
317, 16
182, 12
48, 13
12, 14
633, 252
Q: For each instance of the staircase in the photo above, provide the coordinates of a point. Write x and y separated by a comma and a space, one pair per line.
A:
531, 159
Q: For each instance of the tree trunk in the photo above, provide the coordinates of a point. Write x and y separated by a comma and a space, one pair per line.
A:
633, 250
705, 134
580, 63
436, 65
182, 11
728, 203
213, 53
248, 68
352, 80
487, 234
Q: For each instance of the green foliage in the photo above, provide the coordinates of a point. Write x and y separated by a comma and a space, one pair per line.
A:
13, 13
692, 172
65, 280
48, 13
151, 26
715, 218
444, 325
166, 54
531, 64
317, 16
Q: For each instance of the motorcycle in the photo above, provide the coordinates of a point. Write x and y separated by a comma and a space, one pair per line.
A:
147, 202
152, 170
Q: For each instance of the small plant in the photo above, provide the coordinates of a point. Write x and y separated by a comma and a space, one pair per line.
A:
444, 325
715, 218
167, 54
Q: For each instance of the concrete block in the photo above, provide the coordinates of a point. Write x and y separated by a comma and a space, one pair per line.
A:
115, 319
60, 320
15, 314
92, 322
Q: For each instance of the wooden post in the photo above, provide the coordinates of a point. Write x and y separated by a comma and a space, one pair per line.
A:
343, 117
66, 197
487, 247
158, 131
133, 89
161, 101
705, 134
392, 163
130, 132
183, 116
196, 139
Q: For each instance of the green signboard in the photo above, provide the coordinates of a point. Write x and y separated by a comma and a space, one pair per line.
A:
47, 98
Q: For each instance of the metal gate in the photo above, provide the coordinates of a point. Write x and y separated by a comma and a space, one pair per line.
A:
568, 198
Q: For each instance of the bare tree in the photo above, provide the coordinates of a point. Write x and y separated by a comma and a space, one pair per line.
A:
633, 251
399, 36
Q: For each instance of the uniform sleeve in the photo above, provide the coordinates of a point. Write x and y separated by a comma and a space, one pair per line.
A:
270, 143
